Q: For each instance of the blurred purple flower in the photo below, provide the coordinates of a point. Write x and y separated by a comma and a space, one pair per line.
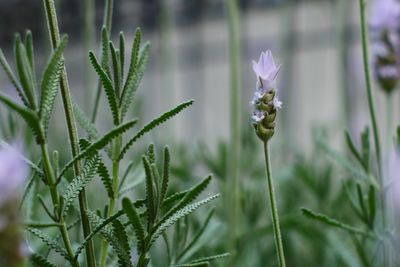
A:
385, 29
385, 15
13, 172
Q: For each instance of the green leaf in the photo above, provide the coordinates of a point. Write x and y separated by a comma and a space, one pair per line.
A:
120, 244
198, 264
28, 115
116, 69
366, 151
24, 71
106, 179
332, 222
196, 236
100, 143
372, 205
178, 214
151, 155
134, 219
85, 122
13, 79
50, 242
122, 53
79, 183
50, 84
133, 80
40, 261
190, 196
166, 174
150, 194
108, 87
29, 48
96, 230
104, 49
353, 149
153, 124
211, 258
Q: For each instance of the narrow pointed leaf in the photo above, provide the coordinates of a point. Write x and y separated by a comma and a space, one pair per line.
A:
99, 144
153, 124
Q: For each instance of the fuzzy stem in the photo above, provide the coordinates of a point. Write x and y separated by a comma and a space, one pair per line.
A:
88, 37
235, 110
51, 18
274, 209
113, 201
107, 21
372, 111
56, 203
368, 82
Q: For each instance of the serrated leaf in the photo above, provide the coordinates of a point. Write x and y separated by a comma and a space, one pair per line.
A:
85, 122
178, 214
116, 69
120, 244
11, 76
104, 49
154, 123
106, 179
79, 183
134, 219
50, 84
190, 196
40, 261
122, 53
100, 143
24, 71
108, 87
197, 236
335, 223
133, 80
150, 194
96, 230
50, 242
29, 50
365, 144
210, 258
166, 174
29, 116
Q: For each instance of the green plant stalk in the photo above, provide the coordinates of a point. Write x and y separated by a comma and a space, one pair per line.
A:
88, 37
113, 201
372, 111
51, 18
235, 122
274, 209
56, 203
107, 21
368, 82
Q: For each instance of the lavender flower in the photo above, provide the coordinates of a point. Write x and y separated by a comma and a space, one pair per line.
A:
385, 29
13, 172
265, 102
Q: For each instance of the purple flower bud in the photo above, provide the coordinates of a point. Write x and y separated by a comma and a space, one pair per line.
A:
265, 102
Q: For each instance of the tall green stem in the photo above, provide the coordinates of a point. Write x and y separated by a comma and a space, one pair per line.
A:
368, 82
274, 209
113, 201
51, 17
372, 111
235, 119
56, 203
